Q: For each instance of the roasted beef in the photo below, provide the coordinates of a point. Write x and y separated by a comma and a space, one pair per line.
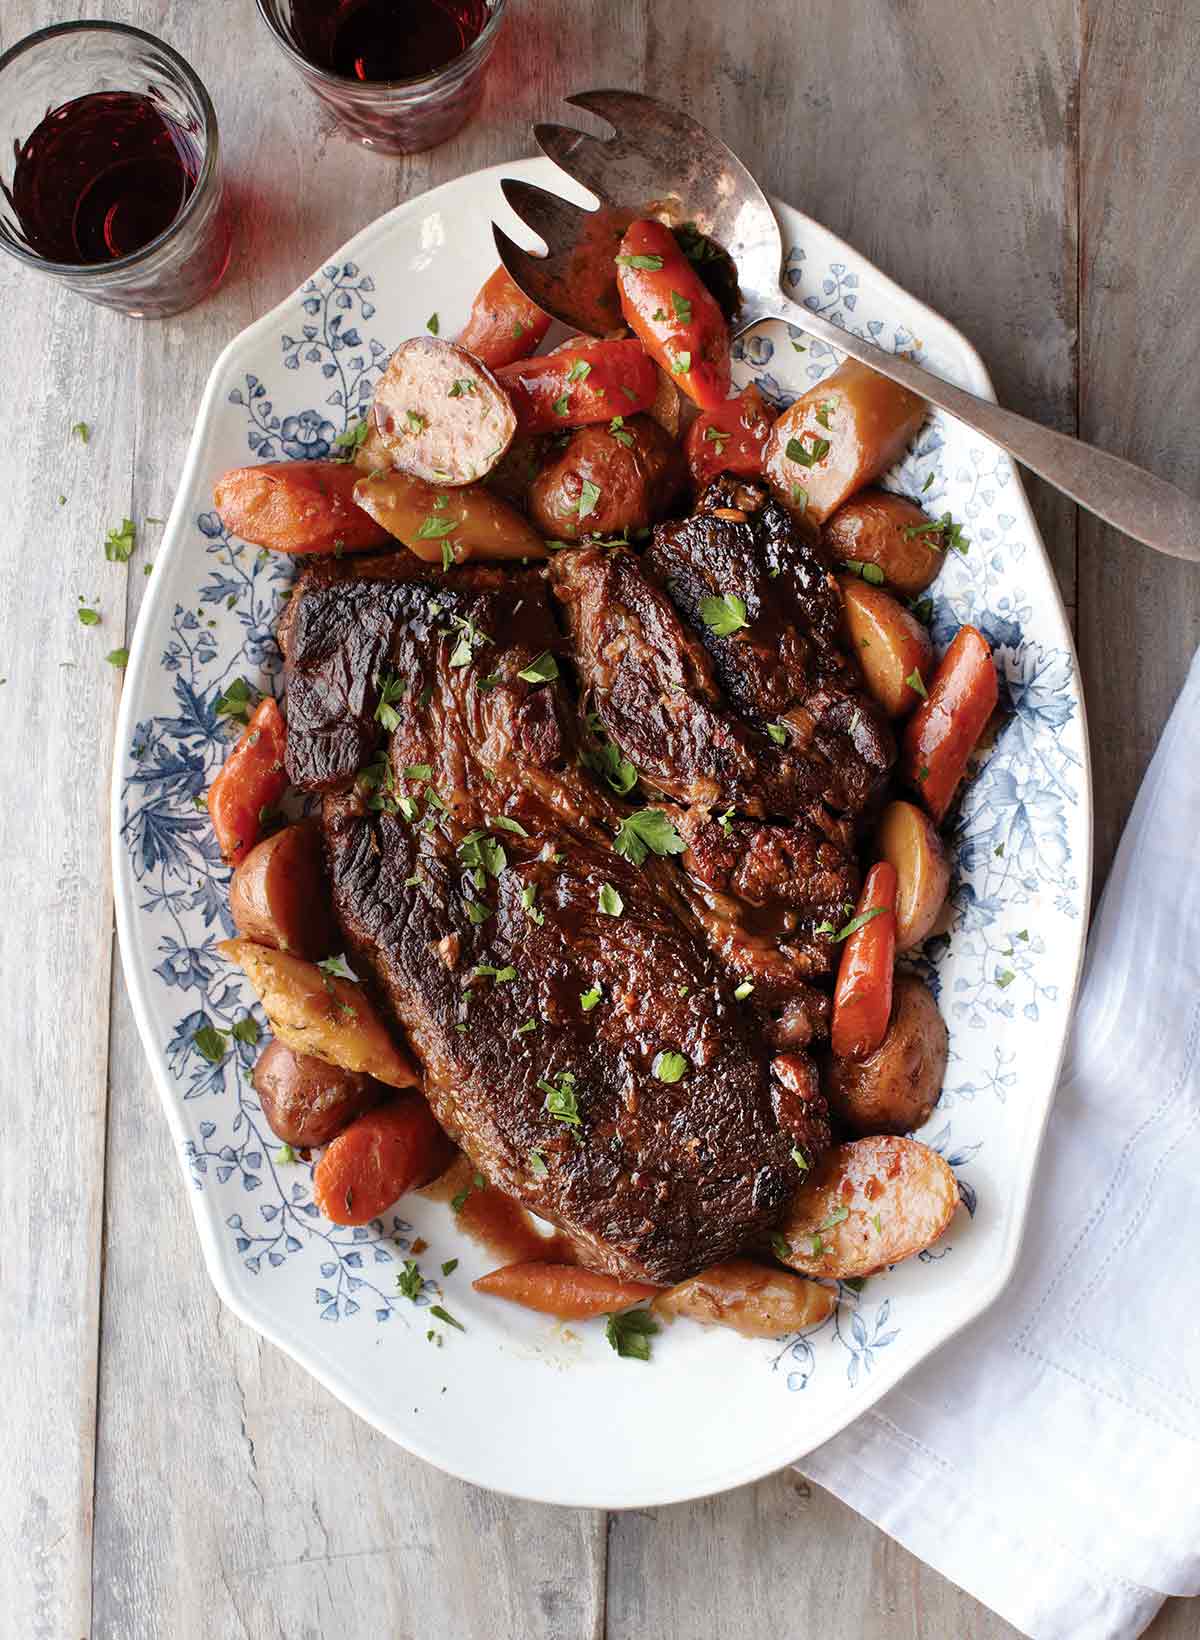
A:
479, 894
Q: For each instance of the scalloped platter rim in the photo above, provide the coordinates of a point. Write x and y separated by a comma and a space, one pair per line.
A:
515, 1402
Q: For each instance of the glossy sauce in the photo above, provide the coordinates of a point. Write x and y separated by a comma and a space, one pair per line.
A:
508, 1231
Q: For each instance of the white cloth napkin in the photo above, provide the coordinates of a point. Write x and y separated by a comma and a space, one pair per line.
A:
1047, 1460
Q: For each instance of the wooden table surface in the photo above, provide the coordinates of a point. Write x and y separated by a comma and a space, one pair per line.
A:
1029, 170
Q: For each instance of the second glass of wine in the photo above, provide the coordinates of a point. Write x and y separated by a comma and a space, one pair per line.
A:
399, 75
114, 184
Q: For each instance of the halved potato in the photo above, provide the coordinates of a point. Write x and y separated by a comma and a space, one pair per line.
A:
867, 1204
894, 1089
317, 1013
442, 414
472, 523
841, 434
893, 648
910, 840
306, 1100
891, 532
753, 1299
279, 895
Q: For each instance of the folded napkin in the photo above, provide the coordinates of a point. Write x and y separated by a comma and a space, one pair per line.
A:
1047, 1460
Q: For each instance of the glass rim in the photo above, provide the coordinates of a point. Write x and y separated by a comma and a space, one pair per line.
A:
97, 270
328, 77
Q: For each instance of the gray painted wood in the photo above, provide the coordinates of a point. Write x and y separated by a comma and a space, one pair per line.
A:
168, 1473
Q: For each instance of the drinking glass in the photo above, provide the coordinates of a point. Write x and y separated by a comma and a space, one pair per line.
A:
56, 65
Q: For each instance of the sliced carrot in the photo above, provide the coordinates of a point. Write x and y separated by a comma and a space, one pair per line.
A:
862, 998
504, 325
564, 1290
583, 381
296, 506
945, 728
377, 1158
253, 778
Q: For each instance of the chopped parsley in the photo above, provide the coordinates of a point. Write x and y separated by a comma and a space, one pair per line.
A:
589, 496
681, 364
609, 901
669, 1067
1004, 978
825, 410
560, 1099
681, 307
210, 1043
444, 1315
647, 264
950, 533
411, 1281
800, 1159
871, 573
528, 899
118, 658
285, 1156
237, 701
417, 423
524, 1030
580, 371
81, 431
469, 638
463, 385
838, 1216
619, 431
391, 688
647, 831
351, 437
724, 615
855, 923
501, 822
562, 405
777, 733
742, 991
450, 1266
717, 436
432, 528
119, 544
88, 617
338, 968
246, 1030
482, 856
781, 1246
588, 999
916, 682
630, 1334
433, 324
542, 670
537, 1164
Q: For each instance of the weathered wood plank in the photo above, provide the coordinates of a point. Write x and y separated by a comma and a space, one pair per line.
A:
1139, 373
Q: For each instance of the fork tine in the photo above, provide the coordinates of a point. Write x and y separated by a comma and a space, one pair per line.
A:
578, 154
615, 106
554, 220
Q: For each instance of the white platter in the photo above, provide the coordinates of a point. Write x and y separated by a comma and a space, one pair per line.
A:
513, 1402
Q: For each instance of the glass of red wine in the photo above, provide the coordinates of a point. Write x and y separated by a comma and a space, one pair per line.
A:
399, 75
110, 176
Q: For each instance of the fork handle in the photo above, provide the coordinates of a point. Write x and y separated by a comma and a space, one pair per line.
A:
1131, 499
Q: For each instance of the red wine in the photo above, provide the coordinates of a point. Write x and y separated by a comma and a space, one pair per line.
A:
386, 39
101, 176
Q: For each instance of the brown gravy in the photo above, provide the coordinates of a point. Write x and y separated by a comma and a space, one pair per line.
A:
497, 1222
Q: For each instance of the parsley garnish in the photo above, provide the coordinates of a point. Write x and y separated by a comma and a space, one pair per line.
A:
285, 1155
589, 999
928, 483
338, 967
444, 1315
781, 1246
433, 324
630, 1334
560, 1099
797, 451
351, 437
870, 573
542, 670
742, 991
391, 688
777, 733
609, 901
537, 1164
579, 371
717, 436
450, 1266
469, 638
418, 771
483, 856
119, 544
118, 658
81, 431
210, 1043
682, 308
1004, 978
561, 405
528, 896
824, 411
855, 923
915, 681
433, 528
417, 423
647, 831
237, 701
589, 495
800, 1159
669, 1067
619, 431
838, 1216
464, 385
88, 617
724, 615
681, 363
648, 264
246, 1030
411, 1282
524, 1030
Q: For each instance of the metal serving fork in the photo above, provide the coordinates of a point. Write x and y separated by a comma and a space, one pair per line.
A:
658, 154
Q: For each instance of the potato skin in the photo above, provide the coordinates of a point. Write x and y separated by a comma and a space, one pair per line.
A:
279, 895
890, 643
894, 1089
316, 1013
637, 481
307, 1101
908, 838
870, 529
753, 1299
867, 422
867, 1204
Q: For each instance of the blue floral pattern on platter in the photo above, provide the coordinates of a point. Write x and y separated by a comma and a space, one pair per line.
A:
1019, 835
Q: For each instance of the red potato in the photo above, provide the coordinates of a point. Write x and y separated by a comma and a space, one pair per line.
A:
321, 1014
581, 382
729, 439
252, 778
941, 735
562, 1290
377, 1159
908, 839
891, 532
862, 997
867, 1204
753, 1299
296, 506
442, 415
893, 648
504, 325
279, 895
665, 303
841, 434
894, 1089
470, 523
608, 480
305, 1100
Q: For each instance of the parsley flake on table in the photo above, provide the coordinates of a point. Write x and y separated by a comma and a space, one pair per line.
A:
648, 831
210, 1043
561, 1102
805, 455
589, 497
630, 1334
238, 701
542, 670
118, 658
723, 615
669, 1067
81, 431
609, 902
88, 617
444, 1315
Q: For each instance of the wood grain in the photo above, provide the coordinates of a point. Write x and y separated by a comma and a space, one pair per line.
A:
230, 1494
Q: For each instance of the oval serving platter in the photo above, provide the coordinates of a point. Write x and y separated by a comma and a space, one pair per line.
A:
515, 1402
